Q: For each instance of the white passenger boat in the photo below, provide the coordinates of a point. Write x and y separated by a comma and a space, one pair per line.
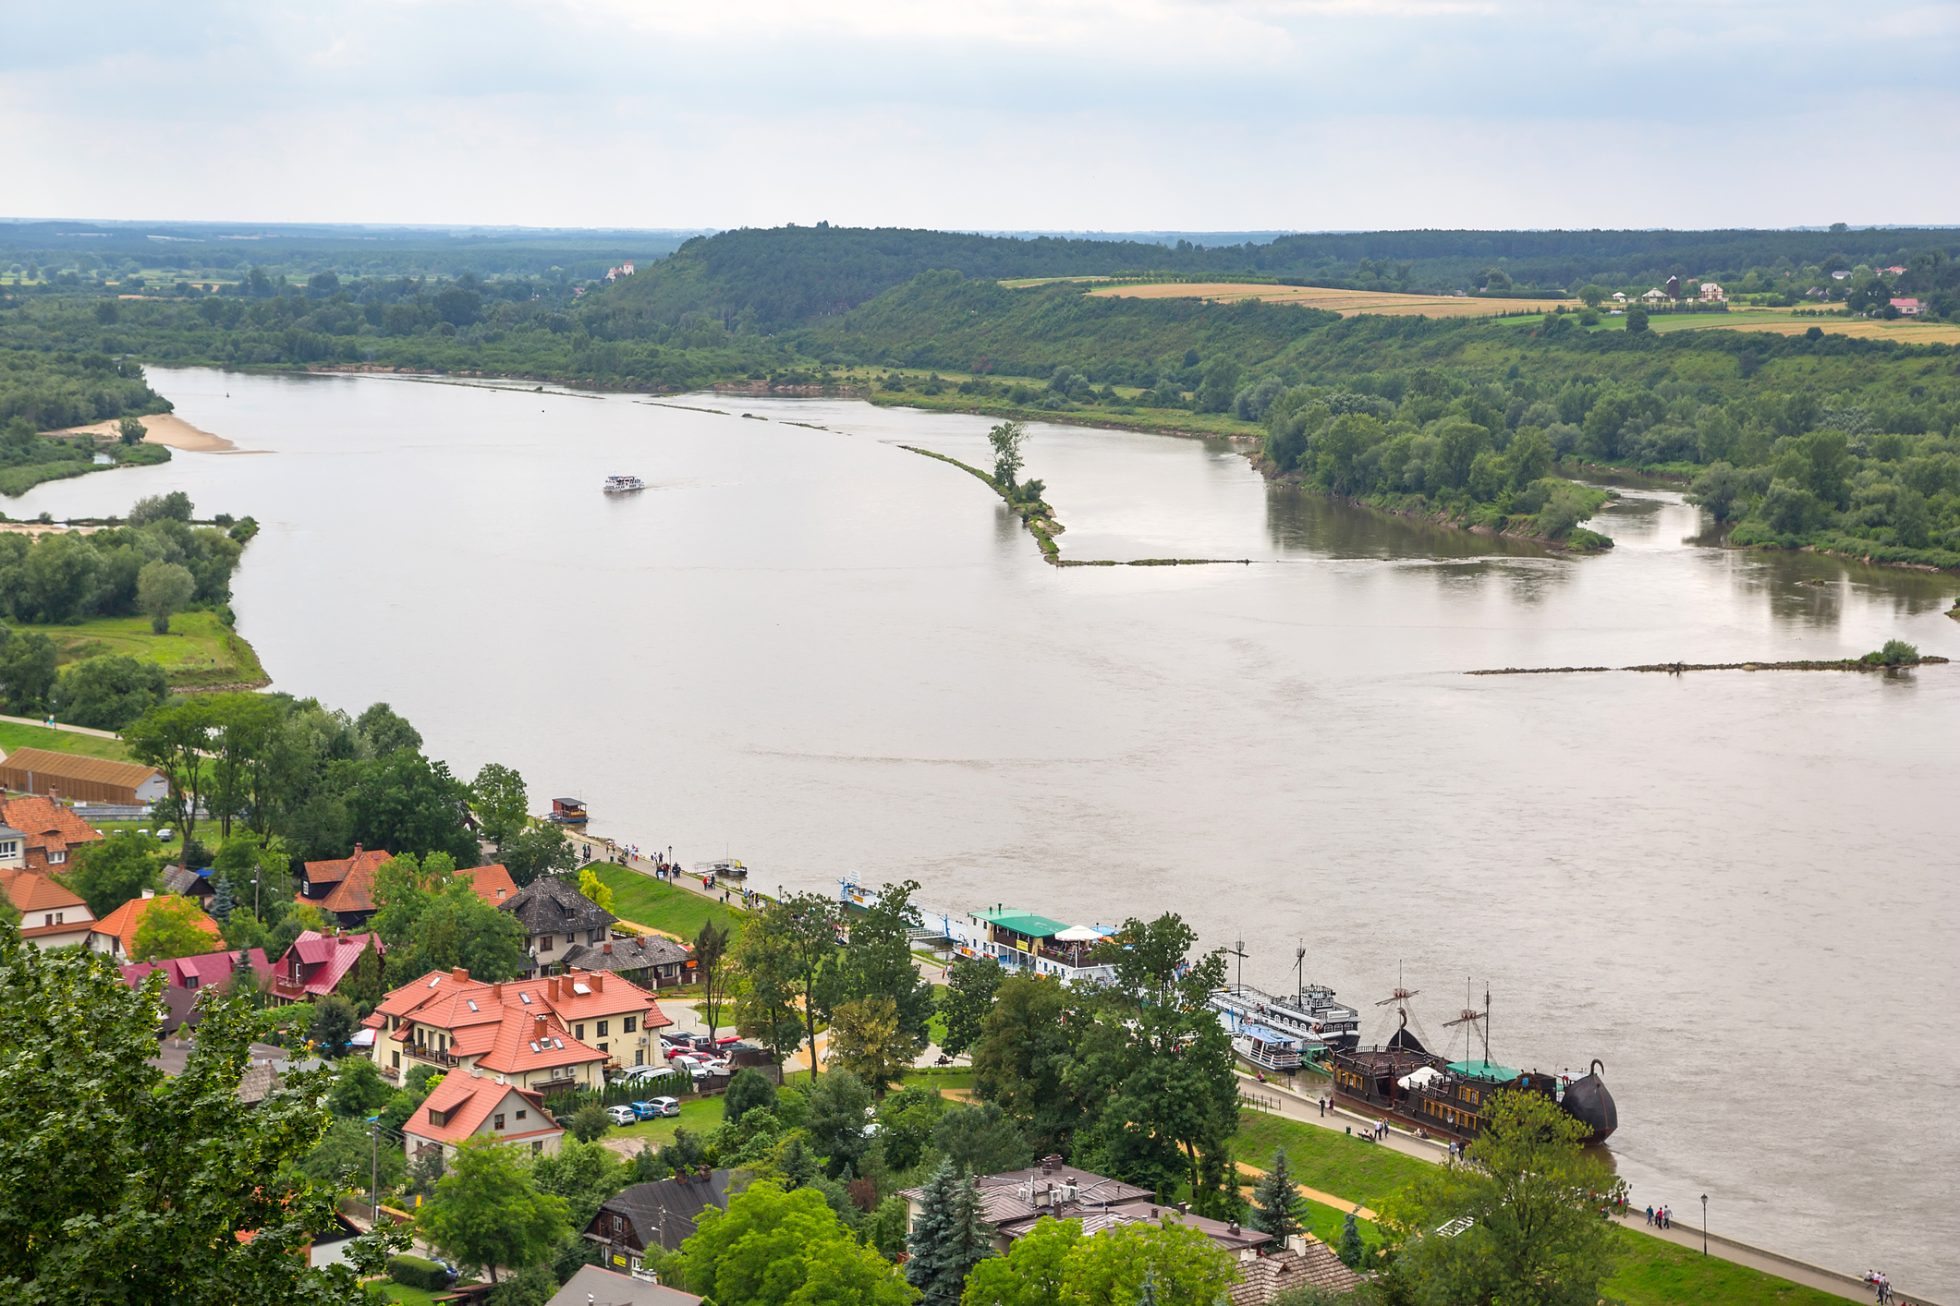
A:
624, 484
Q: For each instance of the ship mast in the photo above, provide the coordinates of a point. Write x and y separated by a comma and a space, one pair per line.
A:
1400, 997
1300, 973
1470, 1018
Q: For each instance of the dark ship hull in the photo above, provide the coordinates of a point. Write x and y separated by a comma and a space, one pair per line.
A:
1406, 1082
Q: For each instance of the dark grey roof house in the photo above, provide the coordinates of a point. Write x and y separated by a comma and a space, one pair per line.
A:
660, 1214
556, 918
650, 961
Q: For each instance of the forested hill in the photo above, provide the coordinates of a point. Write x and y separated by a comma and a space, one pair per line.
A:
769, 279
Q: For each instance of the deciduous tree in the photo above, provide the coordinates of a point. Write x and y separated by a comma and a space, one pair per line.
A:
775, 1248
111, 871
971, 984
487, 1214
866, 1040
170, 928
500, 802
163, 588
713, 971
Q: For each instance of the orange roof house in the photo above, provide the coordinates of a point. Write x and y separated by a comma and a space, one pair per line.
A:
492, 883
115, 933
547, 1034
344, 885
51, 915
49, 833
465, 1106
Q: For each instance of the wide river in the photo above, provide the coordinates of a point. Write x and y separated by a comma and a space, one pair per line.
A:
808, 648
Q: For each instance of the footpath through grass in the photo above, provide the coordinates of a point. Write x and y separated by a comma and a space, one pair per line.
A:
200, 652
1649, 1272
646, 901
59, 741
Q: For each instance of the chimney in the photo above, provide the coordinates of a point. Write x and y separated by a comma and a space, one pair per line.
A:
357, 851
538, 1029
599, 977
460, 974
551, 989
149, 893
497, 992
607, 949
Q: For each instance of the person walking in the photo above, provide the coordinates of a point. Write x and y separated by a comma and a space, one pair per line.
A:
1650, 1215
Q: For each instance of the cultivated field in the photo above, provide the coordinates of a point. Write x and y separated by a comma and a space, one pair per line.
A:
1348, 303
1783, 322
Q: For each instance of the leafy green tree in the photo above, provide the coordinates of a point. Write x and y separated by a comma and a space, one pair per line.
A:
111, 871
772, 1248
584, 1173
382, 731
1637, 321
163, 588
500, 802
906, 1120
783, 954
1156, 1063
1220, 384
588, 1123
748, 1090
1006, 440
130, 431
117, 1175
1535, 1237
878, 964
487, 1214
431, 919
170, 928
402, 801
713, 971
865, 1039
980, 1138
949, 1237
1277, 1207
1022, 1058
534, 850
971, 984
107, 693
334, 1024
350, 1156
840, 1112
176, 739
175, 506
595, 889
27, 672
358, 1089
1055, 1265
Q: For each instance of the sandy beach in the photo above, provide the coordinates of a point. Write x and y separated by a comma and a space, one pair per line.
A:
160, 428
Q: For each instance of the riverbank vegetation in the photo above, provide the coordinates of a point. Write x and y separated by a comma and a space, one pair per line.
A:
1790, 441
97, 627
42, 391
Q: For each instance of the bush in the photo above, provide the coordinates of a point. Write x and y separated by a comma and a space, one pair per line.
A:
1895, 653
589, 1122
418, 1272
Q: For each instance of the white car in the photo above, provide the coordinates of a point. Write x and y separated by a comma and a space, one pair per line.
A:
622, 1115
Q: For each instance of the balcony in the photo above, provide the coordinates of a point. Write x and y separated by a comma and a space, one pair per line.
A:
430, 1055
291, 990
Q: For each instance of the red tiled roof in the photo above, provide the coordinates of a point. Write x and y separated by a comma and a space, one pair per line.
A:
324, 960
207, 968
49, 827
31, 891
467, 1101
492, 883
121, 923
524, 1042
334, 871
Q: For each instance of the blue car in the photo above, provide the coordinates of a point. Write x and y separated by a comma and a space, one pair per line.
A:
655, 1107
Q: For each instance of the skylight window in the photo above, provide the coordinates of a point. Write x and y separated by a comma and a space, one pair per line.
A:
472, 1002
525, 998
534, 1045
581, 989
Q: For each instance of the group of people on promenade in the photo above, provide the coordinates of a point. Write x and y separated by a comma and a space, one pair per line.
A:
1660, 1217
1879, 1283
625, 854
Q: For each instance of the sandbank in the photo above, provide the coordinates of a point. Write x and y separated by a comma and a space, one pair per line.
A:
160, 428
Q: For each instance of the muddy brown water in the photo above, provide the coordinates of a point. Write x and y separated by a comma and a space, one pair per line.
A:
817, 652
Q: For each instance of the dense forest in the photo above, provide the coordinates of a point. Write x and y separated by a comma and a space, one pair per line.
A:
1820, 439
42, 391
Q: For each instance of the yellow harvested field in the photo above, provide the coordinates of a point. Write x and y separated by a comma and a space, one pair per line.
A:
1348, 303
1859, 328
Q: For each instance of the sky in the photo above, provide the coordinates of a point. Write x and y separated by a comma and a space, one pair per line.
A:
1196, 115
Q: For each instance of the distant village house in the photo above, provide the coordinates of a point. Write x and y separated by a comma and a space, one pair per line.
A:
466, 1106
38, 834
51, 915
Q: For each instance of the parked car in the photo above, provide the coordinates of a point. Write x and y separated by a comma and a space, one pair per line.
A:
654, 1108
622, 1115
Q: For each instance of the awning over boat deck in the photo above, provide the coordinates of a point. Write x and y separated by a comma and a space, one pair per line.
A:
1490, 1070
1265, 1034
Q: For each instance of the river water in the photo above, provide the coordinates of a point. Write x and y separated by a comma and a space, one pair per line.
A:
818, 652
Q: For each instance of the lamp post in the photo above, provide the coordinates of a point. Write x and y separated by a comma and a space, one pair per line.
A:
1704, 1224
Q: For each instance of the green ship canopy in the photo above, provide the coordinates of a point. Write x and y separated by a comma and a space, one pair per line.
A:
1035, 927
1490, 1070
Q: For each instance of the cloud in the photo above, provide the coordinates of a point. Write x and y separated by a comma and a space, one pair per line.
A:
1004, 113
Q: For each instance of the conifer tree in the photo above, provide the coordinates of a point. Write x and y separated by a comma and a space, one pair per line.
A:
949, 1238
1350, 1251
223, 901
1277, 1207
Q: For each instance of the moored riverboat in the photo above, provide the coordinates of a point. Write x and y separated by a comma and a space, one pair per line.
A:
567, 811
1402, 1079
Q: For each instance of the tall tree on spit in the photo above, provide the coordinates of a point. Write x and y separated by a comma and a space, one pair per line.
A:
948, 1239
783, 954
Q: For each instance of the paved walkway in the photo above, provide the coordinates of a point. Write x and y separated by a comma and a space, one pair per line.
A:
67, 730
1301, 1106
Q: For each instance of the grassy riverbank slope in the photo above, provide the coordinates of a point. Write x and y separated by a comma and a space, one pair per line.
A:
645, 901
14, 736
198, 652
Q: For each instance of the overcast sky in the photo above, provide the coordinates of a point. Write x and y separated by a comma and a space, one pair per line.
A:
995, 114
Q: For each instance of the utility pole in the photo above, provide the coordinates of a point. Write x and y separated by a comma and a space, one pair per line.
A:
374, 1175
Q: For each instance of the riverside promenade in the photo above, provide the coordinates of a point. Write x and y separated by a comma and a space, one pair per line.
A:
1301, 1107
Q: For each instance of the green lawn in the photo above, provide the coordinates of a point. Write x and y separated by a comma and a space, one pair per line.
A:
401, 1292
1654, 1273
698, 1115
646, 901
199, 652
1650, 1273
60, 741
1360, 1171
